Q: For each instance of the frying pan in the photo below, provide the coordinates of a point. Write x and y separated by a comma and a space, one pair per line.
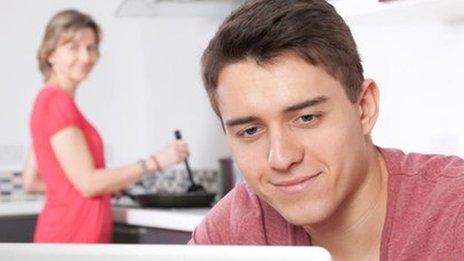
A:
196, 196
189, 199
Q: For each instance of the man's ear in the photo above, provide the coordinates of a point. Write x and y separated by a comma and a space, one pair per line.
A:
368, 104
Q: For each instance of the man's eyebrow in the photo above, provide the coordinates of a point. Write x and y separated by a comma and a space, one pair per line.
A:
240, 121
308, 103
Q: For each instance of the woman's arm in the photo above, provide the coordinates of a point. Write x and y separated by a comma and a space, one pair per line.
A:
32, 183
72, 152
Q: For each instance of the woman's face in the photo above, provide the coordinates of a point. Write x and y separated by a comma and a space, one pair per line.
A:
73, 60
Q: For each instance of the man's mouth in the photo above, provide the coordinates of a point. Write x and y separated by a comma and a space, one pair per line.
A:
295, 185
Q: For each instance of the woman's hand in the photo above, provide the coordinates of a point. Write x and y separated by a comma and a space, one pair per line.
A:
173, 154
32, 183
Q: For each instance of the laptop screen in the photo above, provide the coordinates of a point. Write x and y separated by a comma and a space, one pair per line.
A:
119, 252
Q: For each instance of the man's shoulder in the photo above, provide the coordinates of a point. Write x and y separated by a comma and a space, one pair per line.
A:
429, 167
237, 205
425, 178
239, 211
425, 203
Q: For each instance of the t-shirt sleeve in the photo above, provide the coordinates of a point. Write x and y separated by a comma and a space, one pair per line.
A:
222, 221
214, 228
200, 235
235, 220
459, 233
62, 112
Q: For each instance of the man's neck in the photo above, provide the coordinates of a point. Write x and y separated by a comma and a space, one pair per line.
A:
354, 231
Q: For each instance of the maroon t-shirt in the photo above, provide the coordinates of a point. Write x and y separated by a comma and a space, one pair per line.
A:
424, 221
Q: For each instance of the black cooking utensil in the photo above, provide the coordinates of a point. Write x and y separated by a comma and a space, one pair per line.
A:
194, 199
193, 186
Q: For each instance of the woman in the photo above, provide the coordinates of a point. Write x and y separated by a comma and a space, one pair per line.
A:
66, 147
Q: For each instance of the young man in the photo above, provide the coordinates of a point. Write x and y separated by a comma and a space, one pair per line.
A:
286, 80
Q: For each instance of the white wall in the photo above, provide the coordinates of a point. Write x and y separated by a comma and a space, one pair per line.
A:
416, 59
175, 95
147, 82
110, 98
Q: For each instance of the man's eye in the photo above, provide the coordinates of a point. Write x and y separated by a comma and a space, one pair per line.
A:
307, 118
249, 132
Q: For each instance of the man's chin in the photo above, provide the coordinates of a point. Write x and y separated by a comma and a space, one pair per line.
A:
304, 220
300, 217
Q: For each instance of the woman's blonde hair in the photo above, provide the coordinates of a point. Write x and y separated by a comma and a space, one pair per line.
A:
61, 29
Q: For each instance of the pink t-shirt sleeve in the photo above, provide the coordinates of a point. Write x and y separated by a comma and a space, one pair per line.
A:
459, 233
241, 218
237, 219
210, 231
200, 235
62, 112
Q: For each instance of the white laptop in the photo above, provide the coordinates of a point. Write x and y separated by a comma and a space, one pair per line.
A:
119, 252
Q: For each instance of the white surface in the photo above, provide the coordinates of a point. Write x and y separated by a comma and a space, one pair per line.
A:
176, 8
424, 9
417, 64
145, 85
69, 252
20, 208
173, 219
148, 79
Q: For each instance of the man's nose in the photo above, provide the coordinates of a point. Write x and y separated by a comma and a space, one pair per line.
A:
284, 150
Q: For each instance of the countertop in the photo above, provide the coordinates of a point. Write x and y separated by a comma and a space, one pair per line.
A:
172, 219
21, 208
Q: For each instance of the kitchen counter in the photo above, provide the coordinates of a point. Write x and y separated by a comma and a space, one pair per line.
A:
170, 219
21, 208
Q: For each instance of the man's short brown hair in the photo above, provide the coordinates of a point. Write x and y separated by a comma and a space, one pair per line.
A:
263, 30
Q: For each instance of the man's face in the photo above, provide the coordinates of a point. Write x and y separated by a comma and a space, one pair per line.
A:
294, 134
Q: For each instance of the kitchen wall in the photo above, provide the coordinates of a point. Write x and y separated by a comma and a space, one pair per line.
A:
140, 91
147, 82
112, 97
175, 97
415, 54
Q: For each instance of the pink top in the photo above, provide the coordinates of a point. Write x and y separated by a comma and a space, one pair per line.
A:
68, 216
424, 221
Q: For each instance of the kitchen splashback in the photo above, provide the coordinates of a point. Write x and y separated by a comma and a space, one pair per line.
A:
177, 181
11, 188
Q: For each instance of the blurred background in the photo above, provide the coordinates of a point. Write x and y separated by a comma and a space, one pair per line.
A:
147, 82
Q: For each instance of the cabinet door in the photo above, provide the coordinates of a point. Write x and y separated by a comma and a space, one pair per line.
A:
127, 234
17, 228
